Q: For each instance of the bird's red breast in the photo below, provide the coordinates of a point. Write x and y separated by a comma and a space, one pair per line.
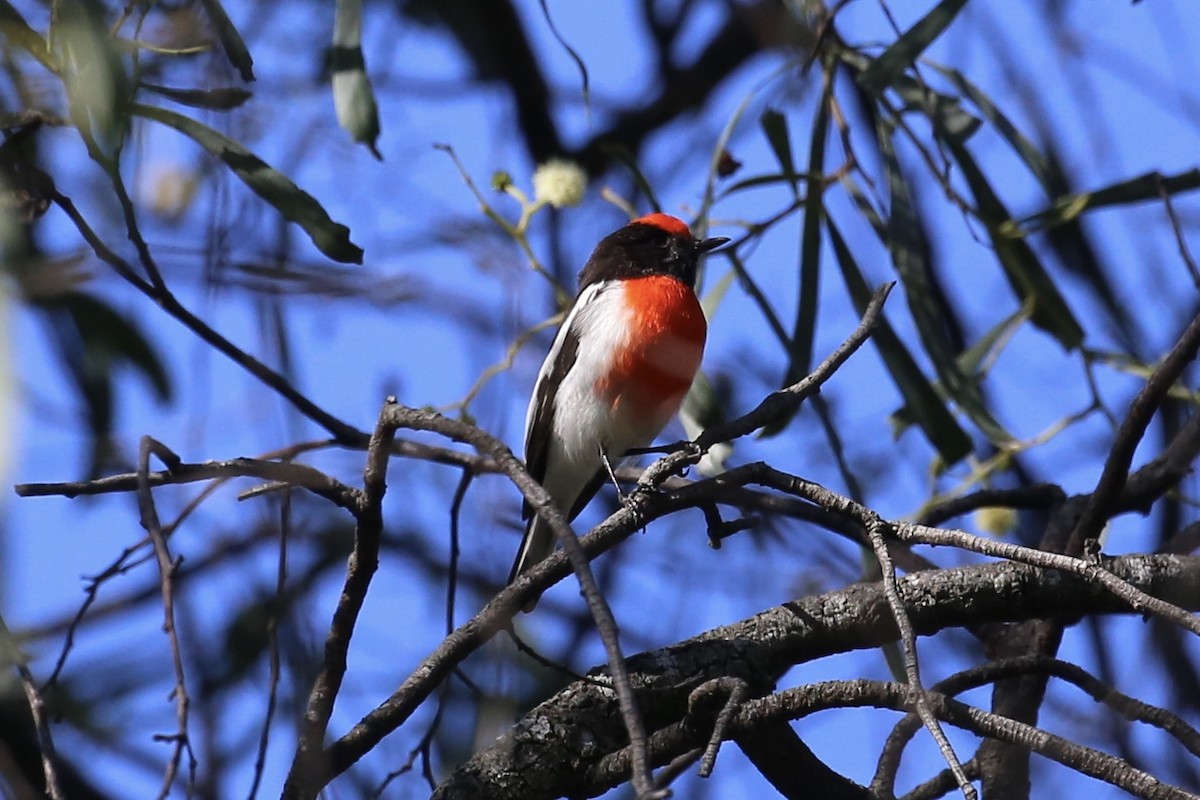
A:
653, 368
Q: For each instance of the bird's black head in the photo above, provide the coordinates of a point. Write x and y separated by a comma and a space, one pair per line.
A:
656, 244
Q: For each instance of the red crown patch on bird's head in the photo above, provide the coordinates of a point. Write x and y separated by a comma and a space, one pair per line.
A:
672, 225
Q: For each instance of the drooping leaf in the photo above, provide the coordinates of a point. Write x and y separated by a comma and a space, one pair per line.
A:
904, 51
1026, 150
804, 329
221, 99
1075, 249
1149, 186
231, 41
353, 97
927, 408
94, 340
109, 336
943, 110
910, 253
296, 205
1021, 265
975, 359
775, 128
93, 74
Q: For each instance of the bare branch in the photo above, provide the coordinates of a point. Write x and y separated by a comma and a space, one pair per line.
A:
166, 571
1116, 468
308, 764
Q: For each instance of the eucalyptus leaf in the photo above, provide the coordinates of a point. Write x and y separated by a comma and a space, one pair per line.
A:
231, 41
775, 128
800, 347
1026, 150
927, 408
1021, 265
910, 252
353, 98
1150, 186
905, 50
296, 205
93, 73
223, 98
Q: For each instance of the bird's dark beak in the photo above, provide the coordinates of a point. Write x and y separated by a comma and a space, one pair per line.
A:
708, 245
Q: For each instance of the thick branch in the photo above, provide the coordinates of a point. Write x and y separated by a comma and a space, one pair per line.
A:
539, 757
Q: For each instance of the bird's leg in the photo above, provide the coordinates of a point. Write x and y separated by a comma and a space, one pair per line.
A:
612, 476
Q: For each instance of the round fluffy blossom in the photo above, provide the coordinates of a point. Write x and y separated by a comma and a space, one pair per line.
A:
995, 520
559, 182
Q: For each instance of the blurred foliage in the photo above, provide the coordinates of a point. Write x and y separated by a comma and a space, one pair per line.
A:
870, 158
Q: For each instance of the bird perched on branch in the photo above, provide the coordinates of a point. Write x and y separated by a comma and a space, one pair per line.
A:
618, 370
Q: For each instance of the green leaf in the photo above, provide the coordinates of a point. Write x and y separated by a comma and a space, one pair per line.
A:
1076, 250
296, 205
93, 74
910, 255
224, 98
800, 349
353, 97
775, 128
231, 41
1021, 145
1021, 265
1149, 186
920, 398
944, 111
905, 50
975, 359
93, 339
14, 28
107, 336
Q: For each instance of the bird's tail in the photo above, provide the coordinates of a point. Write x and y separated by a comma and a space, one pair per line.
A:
537, 545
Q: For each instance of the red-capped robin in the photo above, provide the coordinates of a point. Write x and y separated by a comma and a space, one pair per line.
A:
618, 370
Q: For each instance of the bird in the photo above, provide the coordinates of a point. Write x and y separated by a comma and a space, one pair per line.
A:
620, 365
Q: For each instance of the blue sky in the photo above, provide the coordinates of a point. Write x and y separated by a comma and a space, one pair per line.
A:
1114, 120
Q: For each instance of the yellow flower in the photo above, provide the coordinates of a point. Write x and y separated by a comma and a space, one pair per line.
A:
995, 520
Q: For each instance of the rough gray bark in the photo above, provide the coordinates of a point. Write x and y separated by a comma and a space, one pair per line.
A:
557, 748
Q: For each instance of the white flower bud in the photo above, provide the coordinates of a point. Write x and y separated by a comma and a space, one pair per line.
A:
560, 183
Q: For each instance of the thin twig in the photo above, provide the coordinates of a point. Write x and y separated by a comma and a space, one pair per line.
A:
1184, 251
921, 534
733, 691
343, 432
397, 416
10, 653
277, 602
166, 570
908, 639
460, 494
1105, 497
298, 475
774, 406
309, 763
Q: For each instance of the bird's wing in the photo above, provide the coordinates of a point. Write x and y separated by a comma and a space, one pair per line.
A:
539, 418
